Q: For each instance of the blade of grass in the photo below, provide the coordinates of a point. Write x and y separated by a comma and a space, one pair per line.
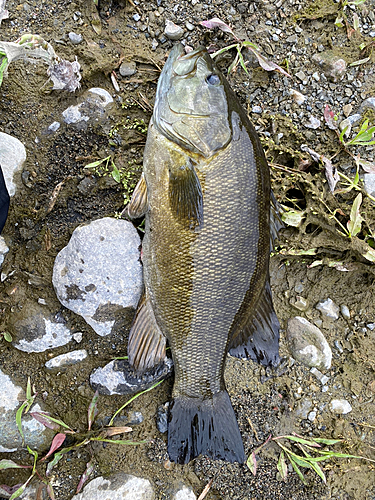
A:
132, 399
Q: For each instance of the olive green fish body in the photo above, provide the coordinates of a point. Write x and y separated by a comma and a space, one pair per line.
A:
206, 253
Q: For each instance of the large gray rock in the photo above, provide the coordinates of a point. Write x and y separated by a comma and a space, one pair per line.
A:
119, 486
98, 275
36, 435
12, 157
307, 344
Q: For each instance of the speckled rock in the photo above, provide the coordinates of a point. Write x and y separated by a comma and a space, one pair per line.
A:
307, 344
98, 275
117, 487
128, 68
184, 493
12, 158
118, 378
91, 108
36, 330
36, 435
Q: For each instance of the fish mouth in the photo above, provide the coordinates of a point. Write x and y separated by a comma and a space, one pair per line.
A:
185, 65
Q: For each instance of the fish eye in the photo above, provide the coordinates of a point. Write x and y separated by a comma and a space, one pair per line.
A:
213, 79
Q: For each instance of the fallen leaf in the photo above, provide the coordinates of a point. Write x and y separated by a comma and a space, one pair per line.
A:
367, 166
330, 171
355, 223
267, 64
215, 22
329, 117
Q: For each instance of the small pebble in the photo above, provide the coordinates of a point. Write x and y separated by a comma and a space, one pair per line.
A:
319, 375
311, 416
135, 418
297, 96
172, 31
313, 123
257, 109
371, 326
340, 406
345, 311
189, 26
54, 126
301, 304
136, 17
128, 68
75, 38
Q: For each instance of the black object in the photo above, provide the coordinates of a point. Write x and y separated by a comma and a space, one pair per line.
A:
4, 201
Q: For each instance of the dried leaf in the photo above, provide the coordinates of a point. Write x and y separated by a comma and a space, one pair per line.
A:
266, 64
367, 166
93, 409
57, 441
115, 431
215, 22
4, 14
85, 476
293, 217
355, 223
40, 417
50, 491
330, 171
329, 117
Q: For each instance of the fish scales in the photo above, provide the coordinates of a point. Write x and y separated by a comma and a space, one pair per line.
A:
206, 263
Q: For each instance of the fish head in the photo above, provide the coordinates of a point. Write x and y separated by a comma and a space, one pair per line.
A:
191, 107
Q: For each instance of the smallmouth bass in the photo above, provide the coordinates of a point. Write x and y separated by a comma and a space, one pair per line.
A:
205, 191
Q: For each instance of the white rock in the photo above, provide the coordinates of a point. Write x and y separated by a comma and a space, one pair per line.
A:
98, 275
117, 487
185, 494
44, 334
307, 344
4, 249
329, 309
94, 102
340, 406
67, 359
172, 31
12, 158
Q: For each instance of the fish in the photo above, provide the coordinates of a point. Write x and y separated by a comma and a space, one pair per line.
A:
4, 201
205, 193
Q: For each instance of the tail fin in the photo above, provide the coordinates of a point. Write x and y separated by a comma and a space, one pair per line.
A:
208, 427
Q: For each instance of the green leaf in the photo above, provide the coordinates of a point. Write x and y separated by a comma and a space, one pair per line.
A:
242, 62
28, 390
57, 421
225, 49
296, 468
119, 441
92, 410
9, 464
7, 336
328, 441
132, 399
298, 439
319, 471
281, 465
95, 164
56, 459
234, 64
21, 489
341, 138
19, 420
252, 463
116, 173
35, 455
355, 223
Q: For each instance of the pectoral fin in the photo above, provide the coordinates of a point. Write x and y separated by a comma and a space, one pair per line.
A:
138, 205
257, 337
146, 346
185, 195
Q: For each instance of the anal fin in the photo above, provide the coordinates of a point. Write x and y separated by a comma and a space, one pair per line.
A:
138, 205
257, 338
147, 344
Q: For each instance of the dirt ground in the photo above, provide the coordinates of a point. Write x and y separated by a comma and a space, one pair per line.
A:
265, 404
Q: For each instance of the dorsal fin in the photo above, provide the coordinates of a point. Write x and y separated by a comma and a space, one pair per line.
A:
146, 346
138, 205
